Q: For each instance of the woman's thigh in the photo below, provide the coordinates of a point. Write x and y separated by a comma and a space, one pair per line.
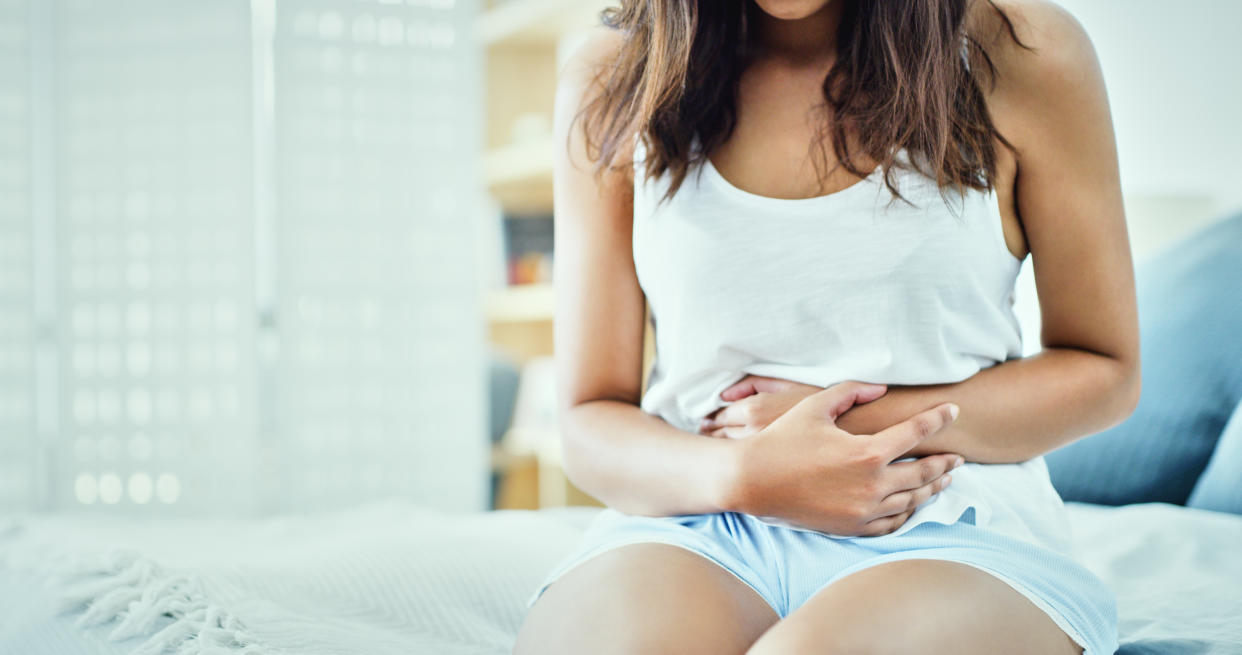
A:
917, 606
645, 598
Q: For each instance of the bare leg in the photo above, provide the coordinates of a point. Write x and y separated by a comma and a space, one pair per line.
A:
917, 606
649, 599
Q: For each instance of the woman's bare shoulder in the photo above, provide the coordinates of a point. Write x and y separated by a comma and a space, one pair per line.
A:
585, 72
1054, 66
1045, 26
598, 47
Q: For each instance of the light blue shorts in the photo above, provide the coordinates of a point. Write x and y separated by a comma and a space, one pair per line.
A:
787, 566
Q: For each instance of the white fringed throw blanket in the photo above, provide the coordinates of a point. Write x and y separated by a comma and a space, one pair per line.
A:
392, 578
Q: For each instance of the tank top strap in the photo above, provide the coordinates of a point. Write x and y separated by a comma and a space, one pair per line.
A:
640, 147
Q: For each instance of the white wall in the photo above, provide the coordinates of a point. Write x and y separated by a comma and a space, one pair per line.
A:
1174, 76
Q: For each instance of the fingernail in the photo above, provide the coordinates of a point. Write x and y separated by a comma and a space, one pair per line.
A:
953, 411
958, 462
947, 479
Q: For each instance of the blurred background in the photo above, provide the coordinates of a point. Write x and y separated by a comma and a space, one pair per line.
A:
285, 255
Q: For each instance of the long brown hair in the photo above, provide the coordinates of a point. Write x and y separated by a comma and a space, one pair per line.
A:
899, 82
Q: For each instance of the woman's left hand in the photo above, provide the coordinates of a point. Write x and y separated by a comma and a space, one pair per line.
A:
755, 402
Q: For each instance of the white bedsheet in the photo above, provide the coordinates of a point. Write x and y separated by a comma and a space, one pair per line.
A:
397, 579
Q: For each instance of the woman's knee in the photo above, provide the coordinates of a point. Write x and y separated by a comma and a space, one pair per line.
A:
645, 598
916, 606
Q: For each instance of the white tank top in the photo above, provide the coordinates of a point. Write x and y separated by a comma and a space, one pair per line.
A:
846, 286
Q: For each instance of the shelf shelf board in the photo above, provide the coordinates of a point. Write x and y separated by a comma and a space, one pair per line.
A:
520, 164
535, 22
523, 303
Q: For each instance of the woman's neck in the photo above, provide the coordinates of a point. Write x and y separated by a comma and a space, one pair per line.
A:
808, 40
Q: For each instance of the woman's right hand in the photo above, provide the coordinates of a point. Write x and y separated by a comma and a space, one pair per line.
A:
805, 470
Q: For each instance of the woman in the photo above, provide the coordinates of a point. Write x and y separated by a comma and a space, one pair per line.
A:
825, 204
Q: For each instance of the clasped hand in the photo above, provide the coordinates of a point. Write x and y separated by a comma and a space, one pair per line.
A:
794, 463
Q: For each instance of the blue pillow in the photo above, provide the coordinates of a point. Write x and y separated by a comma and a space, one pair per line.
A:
1190, 321
1220, 486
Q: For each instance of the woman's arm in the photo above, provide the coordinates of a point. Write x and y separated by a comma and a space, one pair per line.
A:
628, 459
1051, 104
1016, 410
804, 470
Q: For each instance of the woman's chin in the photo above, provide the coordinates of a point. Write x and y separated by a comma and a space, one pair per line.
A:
791, 9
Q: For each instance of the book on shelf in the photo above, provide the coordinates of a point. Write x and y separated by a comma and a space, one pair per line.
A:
528, 248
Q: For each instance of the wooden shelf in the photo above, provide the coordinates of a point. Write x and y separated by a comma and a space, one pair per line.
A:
535, 22
519, 176
524, 42
521, 304
519, 164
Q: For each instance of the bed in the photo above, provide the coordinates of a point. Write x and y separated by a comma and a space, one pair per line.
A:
394, 578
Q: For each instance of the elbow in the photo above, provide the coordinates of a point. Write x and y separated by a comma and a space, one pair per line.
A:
573, 468
574, 452
1134, 391
1128, 389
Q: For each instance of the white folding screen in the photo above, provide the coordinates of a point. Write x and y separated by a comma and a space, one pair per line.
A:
253, 218
155, 231
375, 114
19, 443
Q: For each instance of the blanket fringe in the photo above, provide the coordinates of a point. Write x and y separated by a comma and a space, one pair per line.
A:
135, 593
